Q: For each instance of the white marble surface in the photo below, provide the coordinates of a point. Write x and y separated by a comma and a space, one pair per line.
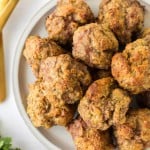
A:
11, 123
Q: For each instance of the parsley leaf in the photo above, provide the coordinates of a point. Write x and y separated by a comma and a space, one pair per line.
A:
5, 144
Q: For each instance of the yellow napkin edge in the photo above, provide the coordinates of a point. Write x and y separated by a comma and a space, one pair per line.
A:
6, 11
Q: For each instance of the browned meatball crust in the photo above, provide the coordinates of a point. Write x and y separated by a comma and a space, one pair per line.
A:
131, 68
47, 110
67, 17
145, 32
104, 104
65, 77
124, 17
37, 49
89, 139
94, 44
135, 133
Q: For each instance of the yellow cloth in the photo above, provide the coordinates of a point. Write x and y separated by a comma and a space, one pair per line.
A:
6, 7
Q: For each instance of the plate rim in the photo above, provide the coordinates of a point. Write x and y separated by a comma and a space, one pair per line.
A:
15, 74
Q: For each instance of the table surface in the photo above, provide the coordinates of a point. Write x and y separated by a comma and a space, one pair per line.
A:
11, 123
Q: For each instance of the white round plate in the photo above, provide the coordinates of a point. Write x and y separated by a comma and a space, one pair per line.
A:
57, 137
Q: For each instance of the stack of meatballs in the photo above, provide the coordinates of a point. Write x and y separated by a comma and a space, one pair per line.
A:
89, 72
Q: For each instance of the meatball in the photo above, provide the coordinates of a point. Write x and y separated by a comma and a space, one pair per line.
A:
135, 133
67, 17
65, 77
94, 44
131, 68
146, 32
47, 110
37, 49
104, 104
89, 139
143, 99
124, 17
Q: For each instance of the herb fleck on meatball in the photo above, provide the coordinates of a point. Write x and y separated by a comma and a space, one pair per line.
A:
124, 17
131, 68
95, 45
47, 110
134, 134
66, 18
65, 77
86, 138
38, 49
104, 104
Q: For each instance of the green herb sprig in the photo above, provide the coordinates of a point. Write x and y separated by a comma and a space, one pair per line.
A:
6, 144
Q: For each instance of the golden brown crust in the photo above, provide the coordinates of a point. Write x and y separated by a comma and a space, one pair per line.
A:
94, 44
131, 68
38, 49
67, 17
145, 32
125, 18
65, 77
135, 133
47, 110
104, 105
89, 139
